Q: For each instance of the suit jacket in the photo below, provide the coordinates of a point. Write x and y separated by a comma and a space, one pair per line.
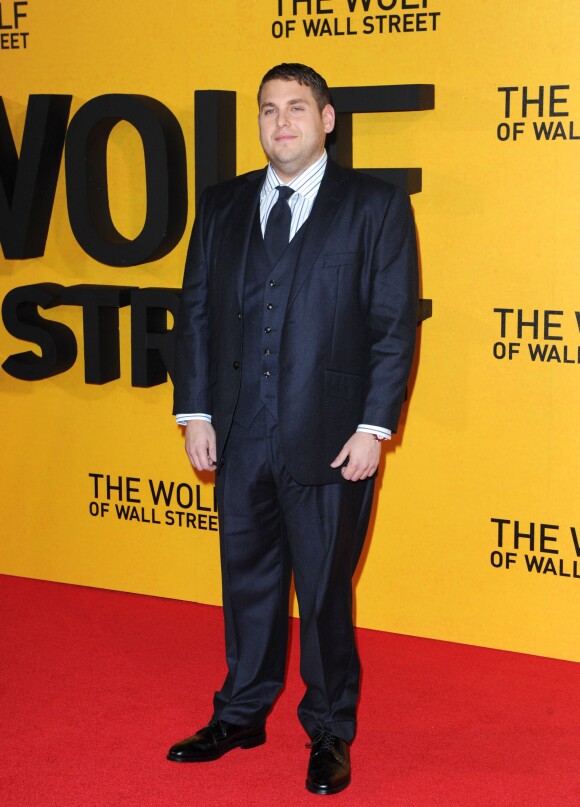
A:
349, 330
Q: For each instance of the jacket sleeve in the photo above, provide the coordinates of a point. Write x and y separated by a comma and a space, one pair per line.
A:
191, 373
392, 322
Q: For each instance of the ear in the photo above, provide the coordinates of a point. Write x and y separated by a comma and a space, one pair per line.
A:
328, 118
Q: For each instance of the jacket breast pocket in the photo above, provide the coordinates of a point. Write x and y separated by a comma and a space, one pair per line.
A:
342, 385
341, 259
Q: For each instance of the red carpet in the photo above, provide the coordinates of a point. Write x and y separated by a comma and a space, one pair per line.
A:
96, 686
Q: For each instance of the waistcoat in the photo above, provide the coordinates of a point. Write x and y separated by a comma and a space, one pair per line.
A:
266, 292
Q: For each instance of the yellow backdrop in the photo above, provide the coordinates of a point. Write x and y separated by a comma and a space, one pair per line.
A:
488, 453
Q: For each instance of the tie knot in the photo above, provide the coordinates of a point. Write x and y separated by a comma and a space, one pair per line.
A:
284, 192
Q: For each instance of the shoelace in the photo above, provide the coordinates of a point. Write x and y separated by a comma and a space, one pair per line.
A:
323, 740
214, 725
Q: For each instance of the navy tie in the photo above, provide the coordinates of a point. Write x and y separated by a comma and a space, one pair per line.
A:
277, 233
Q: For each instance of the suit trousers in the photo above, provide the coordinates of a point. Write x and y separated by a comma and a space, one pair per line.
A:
271, 526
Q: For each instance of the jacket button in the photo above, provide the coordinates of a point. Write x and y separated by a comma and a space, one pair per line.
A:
272, 283
236, 365
267, 330
267, 374
239, 316
267, 352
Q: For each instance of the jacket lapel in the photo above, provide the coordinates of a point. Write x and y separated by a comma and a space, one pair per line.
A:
331, 194
233, 252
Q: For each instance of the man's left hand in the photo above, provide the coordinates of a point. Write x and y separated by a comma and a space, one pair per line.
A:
363, 453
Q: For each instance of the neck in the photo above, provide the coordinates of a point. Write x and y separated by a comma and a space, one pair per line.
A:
286, 175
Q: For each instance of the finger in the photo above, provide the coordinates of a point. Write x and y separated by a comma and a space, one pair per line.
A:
370, 471
206, 462
339, 460
212, 452
350, 472
198, 457
191, 456
357, 474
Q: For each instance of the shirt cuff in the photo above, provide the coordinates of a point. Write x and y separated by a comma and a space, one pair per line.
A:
378, 430
183, 419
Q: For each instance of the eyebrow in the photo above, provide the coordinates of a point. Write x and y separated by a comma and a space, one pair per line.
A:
286, 103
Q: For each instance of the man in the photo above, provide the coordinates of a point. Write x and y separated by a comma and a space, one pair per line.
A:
294, 344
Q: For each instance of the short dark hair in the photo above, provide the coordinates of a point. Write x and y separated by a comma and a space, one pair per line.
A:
303, 74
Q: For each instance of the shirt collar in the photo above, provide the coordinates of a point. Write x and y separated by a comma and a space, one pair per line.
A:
306, 184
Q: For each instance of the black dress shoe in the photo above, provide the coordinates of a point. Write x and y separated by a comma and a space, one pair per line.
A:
329, 766
215, 740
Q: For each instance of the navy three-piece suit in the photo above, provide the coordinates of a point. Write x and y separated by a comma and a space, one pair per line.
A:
289, 358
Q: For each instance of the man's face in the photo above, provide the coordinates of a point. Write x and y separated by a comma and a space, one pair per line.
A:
292, 127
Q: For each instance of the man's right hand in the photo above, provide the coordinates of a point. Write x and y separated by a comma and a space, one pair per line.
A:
200, 445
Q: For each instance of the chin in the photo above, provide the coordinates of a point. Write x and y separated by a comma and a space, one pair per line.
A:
283, 160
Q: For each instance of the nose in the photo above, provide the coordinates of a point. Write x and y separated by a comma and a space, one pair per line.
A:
281, 119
